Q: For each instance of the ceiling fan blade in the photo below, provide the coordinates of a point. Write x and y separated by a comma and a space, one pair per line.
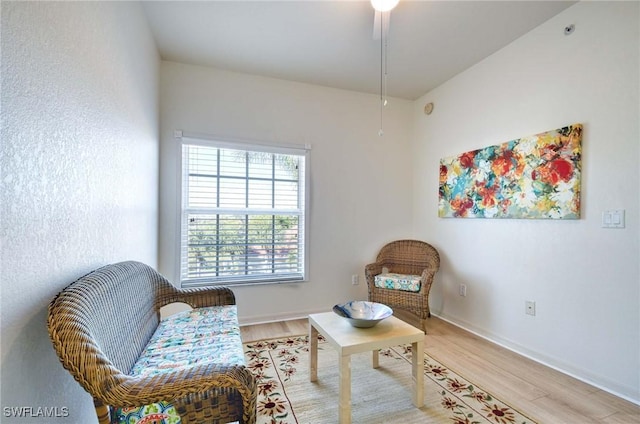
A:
381, 19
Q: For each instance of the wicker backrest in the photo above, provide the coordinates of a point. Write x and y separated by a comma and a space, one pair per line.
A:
409, 257
100, 324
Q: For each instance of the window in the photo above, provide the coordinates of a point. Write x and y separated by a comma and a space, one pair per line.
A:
243, 213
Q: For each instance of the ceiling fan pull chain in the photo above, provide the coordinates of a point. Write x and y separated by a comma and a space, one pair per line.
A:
384, 18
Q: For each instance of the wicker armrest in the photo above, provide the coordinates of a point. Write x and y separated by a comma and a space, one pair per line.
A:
183, 388
426, 278
427, 274
198, 297
371, 270
176, 385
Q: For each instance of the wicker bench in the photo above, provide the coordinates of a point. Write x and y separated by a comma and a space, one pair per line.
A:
107, 332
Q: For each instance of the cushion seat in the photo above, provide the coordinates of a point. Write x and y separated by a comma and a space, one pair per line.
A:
394, 281
187, 339
199, 336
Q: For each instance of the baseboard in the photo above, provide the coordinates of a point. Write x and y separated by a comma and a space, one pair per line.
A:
265, 319
608, 386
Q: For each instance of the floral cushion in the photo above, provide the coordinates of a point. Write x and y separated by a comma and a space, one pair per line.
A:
398, 282
191, 338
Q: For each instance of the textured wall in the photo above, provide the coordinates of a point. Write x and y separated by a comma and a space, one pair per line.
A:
583, 278
79, 173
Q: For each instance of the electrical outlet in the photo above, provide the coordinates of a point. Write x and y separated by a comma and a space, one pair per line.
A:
354, 279
530, 307
462, 290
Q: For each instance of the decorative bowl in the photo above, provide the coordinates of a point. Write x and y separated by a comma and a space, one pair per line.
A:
363, 314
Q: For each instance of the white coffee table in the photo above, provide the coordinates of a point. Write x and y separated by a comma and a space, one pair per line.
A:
348, 340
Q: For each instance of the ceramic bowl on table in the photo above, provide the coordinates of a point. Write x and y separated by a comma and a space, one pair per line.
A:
363, 314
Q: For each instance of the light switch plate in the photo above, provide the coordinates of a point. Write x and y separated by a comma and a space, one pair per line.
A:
613, 218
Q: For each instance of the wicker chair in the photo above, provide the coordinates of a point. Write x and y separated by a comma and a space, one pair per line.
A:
100, 324
410, 257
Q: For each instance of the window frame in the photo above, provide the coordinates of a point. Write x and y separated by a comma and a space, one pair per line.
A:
303, 151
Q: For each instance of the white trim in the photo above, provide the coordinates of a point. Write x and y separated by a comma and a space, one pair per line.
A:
178, 205
269, 318
306, 260
303, 211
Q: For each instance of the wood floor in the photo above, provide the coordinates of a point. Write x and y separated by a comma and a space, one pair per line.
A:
540, 392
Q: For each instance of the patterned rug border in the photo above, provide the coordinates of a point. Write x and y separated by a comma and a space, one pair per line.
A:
476, 386
498, 419
455, 371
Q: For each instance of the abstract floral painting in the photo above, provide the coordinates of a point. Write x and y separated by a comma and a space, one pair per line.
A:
531, 177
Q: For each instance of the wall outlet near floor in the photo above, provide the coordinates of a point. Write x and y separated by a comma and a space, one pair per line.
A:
462, 290
354, 279
530, 307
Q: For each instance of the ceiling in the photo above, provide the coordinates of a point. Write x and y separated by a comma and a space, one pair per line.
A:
331, 43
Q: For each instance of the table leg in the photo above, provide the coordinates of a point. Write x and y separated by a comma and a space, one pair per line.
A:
344, 414
313, 353
417, 371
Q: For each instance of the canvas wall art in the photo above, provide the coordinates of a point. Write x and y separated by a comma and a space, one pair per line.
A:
535, 177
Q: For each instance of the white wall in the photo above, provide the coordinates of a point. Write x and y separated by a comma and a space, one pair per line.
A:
79, 160
361, 195
584, 279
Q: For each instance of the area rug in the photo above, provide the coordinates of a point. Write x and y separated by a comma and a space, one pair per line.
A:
380, 395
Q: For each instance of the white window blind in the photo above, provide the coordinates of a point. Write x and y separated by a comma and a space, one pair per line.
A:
243, 213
